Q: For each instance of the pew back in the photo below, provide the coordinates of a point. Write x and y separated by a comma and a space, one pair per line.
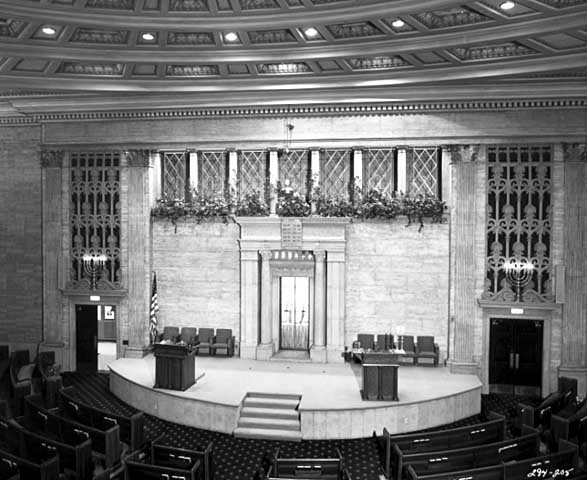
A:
307, 468
132, 427
27, 468
173, 457
177, 469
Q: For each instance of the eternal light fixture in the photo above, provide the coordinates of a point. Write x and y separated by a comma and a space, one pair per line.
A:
507, 5
147, 36
398, 23
93, 266
518, 272
231, 37
311, 32
47, 30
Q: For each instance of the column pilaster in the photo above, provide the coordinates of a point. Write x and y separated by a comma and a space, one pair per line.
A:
265, 349
249, 304
318, 350
335, 308
463, 272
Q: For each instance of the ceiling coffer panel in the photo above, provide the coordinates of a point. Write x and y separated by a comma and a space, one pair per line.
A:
112, 4
191, 70
188, 6
92, 69
92, 35
271, 36
454, 17
377, 63
10, 27
492, 52
190, 38
283, 68
354, 30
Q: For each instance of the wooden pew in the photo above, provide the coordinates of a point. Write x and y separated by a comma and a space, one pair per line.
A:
3, 408
166, 455
490, 431
308, 468
76, 458
17, 467
132, 428
105, 441
526, 446
182, 465
568, 427
565, 460
540, 415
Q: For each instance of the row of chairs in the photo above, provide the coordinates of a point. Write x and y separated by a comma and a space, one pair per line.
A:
204, 340
423, 347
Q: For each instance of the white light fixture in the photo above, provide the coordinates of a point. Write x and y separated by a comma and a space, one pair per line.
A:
398, 23
507, 5
230, 37
47, 30
311, 32
517, 311
94, 298
147, 36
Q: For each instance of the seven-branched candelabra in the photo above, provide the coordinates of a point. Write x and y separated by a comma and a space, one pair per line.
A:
518, 272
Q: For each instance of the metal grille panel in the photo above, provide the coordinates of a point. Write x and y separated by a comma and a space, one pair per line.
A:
518, 220
213, 173
252, 173
335, 173
378, 166
424, 172
294, 166
174, 175
95, 217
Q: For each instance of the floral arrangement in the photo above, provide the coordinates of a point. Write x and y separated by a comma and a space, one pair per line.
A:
289, 203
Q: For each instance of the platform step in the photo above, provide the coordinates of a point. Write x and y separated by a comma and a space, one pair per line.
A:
290, 396
268, 434
271, 402
271, 423
254, 412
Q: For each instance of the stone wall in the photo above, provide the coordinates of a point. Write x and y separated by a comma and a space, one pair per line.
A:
21, 263
397, 277
198, 275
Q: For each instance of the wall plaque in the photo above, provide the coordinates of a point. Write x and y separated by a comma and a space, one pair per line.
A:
291, 233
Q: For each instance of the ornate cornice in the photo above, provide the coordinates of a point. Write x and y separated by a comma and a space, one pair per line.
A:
303, 111
52, 158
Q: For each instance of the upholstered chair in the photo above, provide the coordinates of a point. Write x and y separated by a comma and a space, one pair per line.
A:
205, 340
224, 340
170, 333
21, 375
406, 342
426, 348
366, 340
189, 335
49, 381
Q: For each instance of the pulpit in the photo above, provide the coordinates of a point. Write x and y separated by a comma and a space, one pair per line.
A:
175, 366
380, 376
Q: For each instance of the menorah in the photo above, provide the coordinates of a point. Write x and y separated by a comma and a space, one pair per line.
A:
518, 272
93, 266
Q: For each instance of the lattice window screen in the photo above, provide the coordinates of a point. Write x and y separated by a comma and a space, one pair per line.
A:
335, 173
252, 173
175, 174
95, 217
213, 172
519, 220
294, 166
378, 166
423, 172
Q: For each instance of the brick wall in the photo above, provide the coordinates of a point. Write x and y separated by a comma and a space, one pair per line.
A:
20, 236
198, 275
397, 277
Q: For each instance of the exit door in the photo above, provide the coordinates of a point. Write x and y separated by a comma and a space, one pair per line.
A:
515, 356
294, 313
86, 334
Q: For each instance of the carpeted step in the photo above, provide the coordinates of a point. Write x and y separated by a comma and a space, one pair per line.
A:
270, 413
271, 402
268, 434
272, 423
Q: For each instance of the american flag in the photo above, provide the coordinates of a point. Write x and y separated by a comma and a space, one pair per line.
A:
154, 310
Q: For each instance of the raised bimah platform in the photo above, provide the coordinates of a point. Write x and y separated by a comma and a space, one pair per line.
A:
175, 366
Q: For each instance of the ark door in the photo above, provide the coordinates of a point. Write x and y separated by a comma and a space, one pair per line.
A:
294, 313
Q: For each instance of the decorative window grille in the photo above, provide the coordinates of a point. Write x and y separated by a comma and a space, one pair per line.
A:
294, 166
252, 173
213, 172
175, 171
424, 172
335, 173
95, 217
518, 220
378, 167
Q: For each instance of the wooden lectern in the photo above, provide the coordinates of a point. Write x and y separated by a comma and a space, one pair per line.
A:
175, 366
380, 376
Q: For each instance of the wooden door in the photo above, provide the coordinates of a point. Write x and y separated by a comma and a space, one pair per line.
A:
515, 356
86, 328
294, 313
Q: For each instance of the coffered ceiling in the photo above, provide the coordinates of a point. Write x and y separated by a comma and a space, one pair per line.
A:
293, 51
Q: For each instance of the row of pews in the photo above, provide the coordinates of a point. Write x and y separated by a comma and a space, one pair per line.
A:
78, 441
305, 468
476, 452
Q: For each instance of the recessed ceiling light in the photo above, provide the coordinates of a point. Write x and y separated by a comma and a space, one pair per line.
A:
507, 5
398, 23
149, 37
48, 30
231, 37
311, 32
